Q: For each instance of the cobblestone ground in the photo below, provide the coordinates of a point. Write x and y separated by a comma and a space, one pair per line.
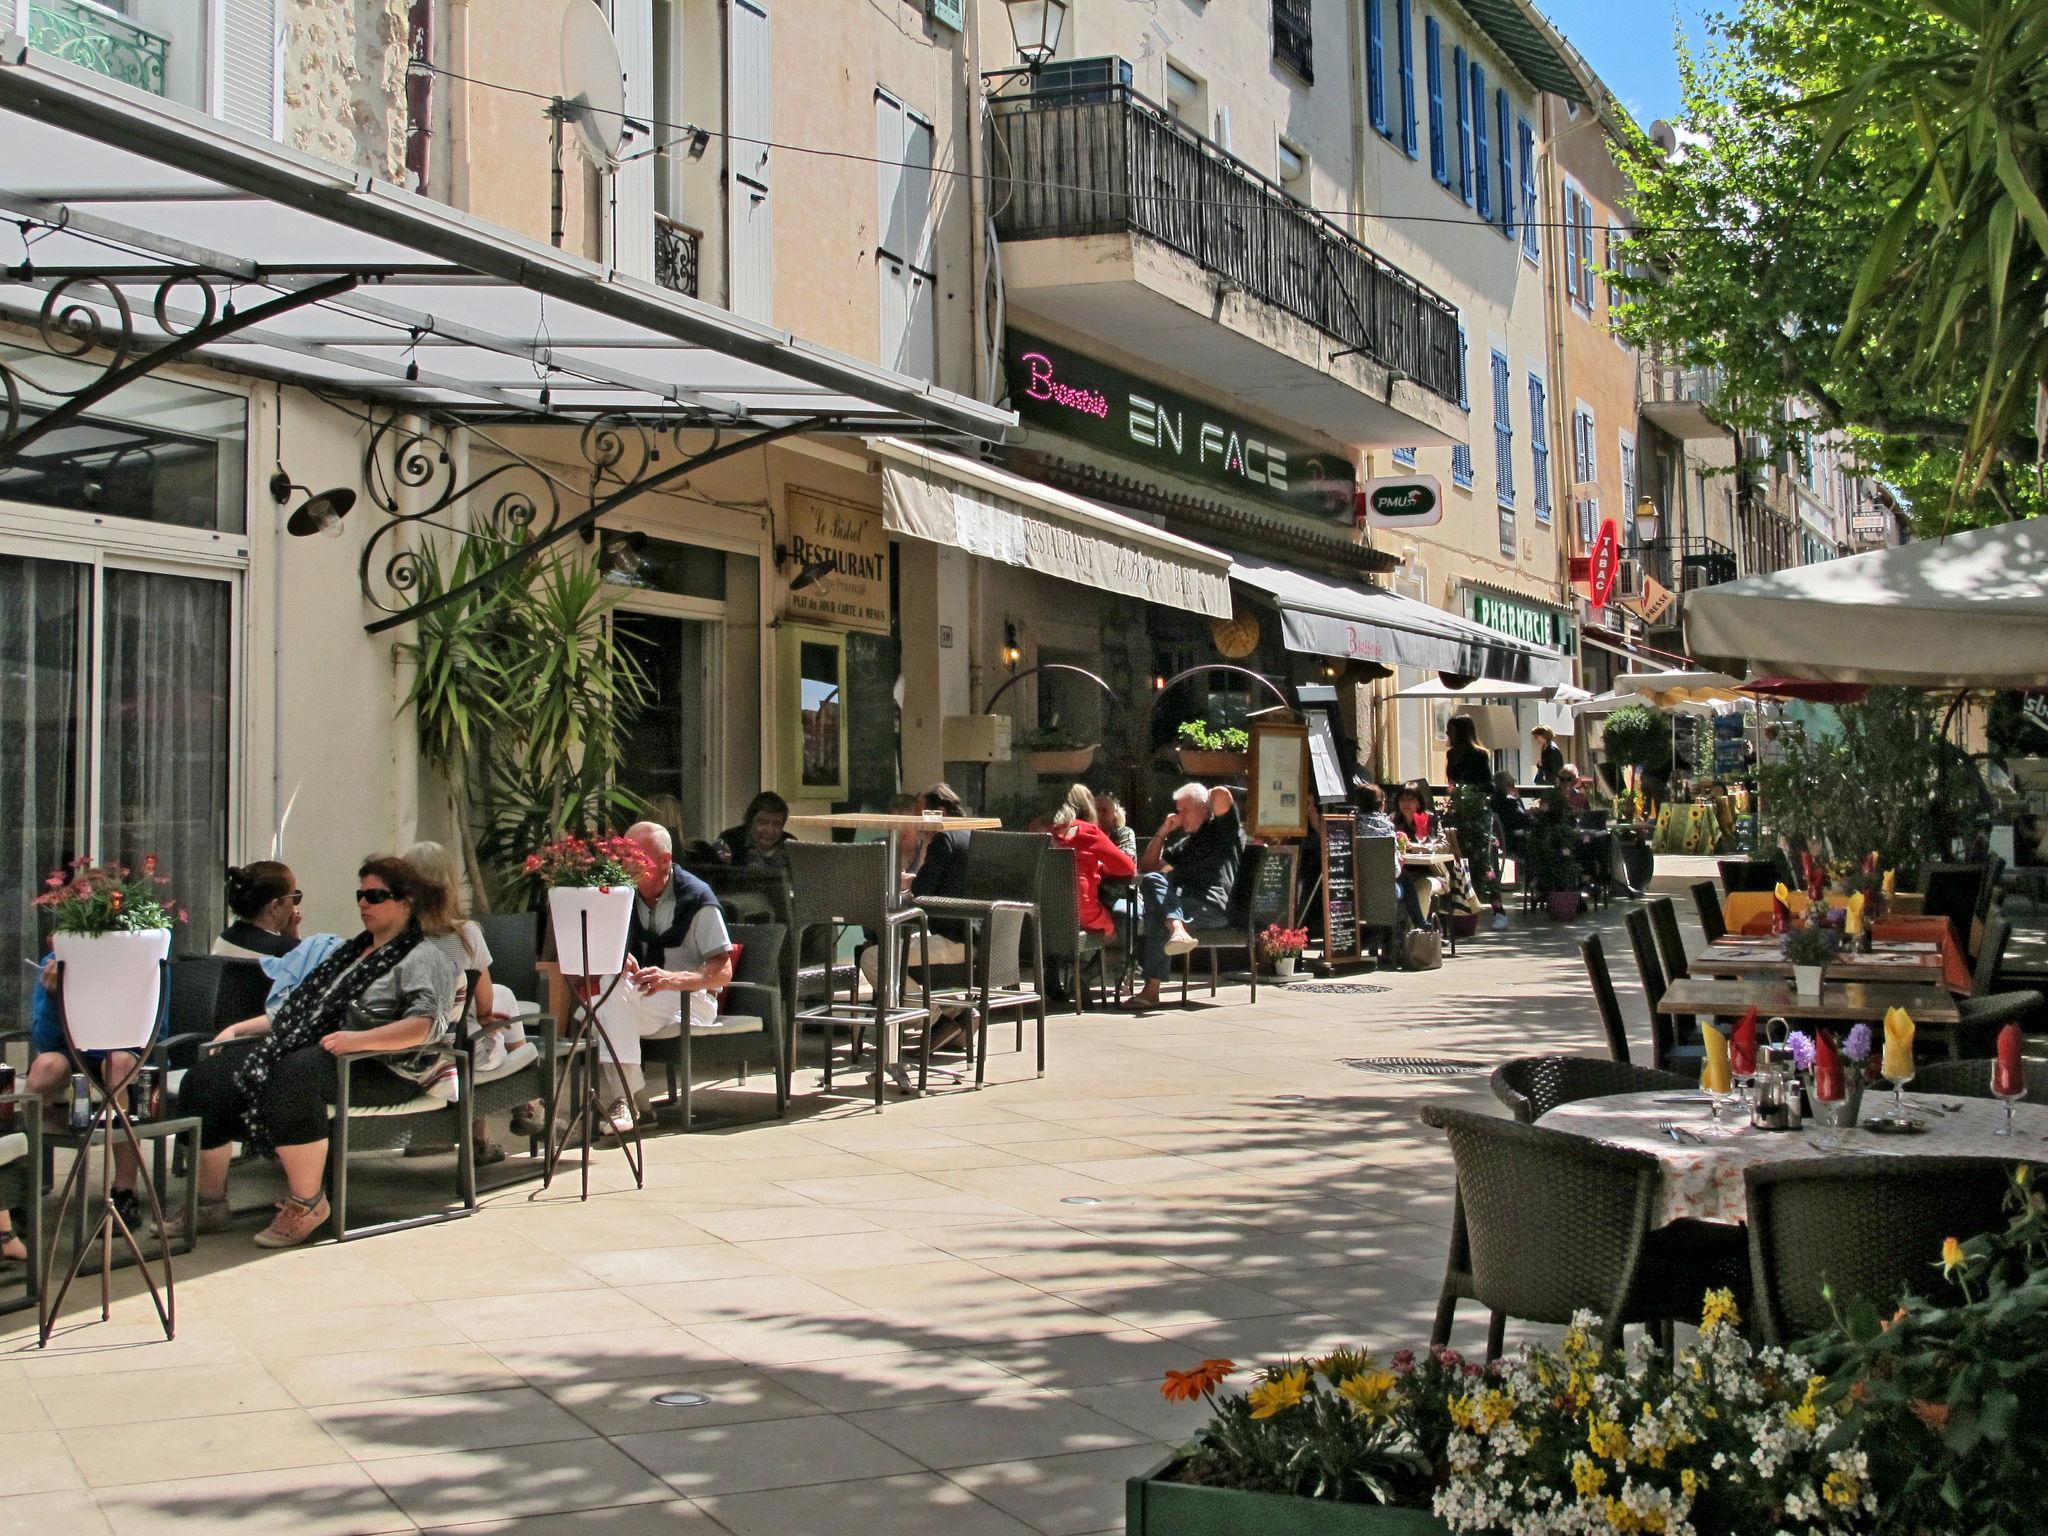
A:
951, 1317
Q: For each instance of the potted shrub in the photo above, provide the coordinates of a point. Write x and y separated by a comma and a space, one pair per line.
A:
1283, 947
590, 899
1054, 753
1553, 849
1810, 946
1213, 754
111, 930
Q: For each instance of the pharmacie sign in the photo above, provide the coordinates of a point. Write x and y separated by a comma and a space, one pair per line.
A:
1528, 622
1054, 387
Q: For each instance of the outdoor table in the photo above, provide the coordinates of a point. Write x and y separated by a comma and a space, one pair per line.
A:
1840, 1002
1702, 1174
1739, 909
1889, 960
1414, 858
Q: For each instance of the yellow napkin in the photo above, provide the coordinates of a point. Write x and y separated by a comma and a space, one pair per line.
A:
1898, 1044
1714, 1074
1854, 924
1889, 876
1784, 893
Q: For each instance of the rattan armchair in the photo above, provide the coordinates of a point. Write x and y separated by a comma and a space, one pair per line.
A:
1004, 879
1858, 1228
751, 1031
1986, 1011
1532, 1086
1971, 1078
21, 1180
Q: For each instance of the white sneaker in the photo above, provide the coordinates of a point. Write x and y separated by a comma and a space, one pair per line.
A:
1500, 922
618, 1118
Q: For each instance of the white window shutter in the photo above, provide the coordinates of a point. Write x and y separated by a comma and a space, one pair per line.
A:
891, 216
251, 64
750, 214
633, 182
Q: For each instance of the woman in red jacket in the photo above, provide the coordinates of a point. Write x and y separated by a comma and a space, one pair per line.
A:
1095, 855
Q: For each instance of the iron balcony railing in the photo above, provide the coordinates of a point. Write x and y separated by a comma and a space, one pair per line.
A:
675, 255
1685, 565
1668, 384
97, 38
1101, 159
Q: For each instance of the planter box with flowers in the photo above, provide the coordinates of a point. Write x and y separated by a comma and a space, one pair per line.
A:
1053, 754
112, 934
1282, 948
1213, 754
590, 899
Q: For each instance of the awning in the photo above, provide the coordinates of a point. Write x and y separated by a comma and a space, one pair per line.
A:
1680, 687
992, 513
1324, 617
1437, 688
157, 221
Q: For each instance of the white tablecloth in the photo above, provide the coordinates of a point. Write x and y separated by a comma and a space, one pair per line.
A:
1703, 1180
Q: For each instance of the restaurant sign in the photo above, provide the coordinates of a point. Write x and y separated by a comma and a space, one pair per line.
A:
1054, 387
851, 591
1529, 622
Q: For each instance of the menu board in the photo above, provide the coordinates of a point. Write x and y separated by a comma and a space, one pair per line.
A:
1340, 890
1323, 759
1272, 896
1279, 779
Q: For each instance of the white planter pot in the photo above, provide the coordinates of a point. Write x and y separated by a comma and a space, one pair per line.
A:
610, 913
113, 986
1806, 980
1283, 966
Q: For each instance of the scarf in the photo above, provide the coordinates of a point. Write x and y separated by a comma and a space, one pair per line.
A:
317, 1007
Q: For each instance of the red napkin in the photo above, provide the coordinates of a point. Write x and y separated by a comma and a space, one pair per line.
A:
2008, 1074
1816, 876
1828, 1084
1781, 916
1742, 1046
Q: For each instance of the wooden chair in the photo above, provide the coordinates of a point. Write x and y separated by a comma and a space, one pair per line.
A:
1670, 942
1665, 1052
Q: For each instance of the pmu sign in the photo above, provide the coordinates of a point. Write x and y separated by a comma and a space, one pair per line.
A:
1402, 501
1606, 566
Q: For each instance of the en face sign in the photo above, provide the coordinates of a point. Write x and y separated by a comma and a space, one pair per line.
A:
1404, 501
854, 592
1056, 388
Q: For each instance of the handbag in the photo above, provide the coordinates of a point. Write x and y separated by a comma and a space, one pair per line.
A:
1422, 949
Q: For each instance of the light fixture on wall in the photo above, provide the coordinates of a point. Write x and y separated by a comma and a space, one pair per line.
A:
1013, 653
620, 561
318, 514
1647, 521
810, 573
1035, 28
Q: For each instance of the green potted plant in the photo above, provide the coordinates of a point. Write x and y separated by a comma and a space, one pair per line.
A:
111, 931
590, 899
1811, 946
1054, 752
1553, 858
1210, 753
1471, 817
1636, 736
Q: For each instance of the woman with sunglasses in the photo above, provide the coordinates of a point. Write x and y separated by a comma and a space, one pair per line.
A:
387, 989
264, 900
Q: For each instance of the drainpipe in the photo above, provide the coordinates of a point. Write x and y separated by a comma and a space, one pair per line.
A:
458, 104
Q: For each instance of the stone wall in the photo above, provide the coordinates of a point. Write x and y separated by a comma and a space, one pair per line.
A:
344, 91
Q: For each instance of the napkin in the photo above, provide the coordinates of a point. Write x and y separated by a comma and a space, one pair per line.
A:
1885, 885
1828, 1084
1854, 923
1742, 1045
1714, 1074
1898, 1045
2008, 1072
1781, 908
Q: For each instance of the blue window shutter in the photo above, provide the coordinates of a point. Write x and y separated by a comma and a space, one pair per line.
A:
1464, 382
1503, 125
1376, 64
1571, 260
1527, 139
1482, 174
1433, 45
1404, 26
1464, 125
1503, 433
1586, 254
1539, 448
952, 12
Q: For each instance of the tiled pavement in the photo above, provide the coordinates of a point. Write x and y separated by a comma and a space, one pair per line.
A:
901, 1323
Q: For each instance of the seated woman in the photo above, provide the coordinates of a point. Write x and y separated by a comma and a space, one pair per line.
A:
388, 989
1573, 788
1095, 855
1370, 801
1410, 818
758, 841
263, 898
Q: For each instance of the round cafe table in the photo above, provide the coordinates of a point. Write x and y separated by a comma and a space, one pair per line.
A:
1703, 1166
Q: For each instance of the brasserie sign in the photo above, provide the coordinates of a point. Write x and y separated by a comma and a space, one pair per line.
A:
1054, 387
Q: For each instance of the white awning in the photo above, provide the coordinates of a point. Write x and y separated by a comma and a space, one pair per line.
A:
1322, 616
417, 303
1000, 516
1478, 692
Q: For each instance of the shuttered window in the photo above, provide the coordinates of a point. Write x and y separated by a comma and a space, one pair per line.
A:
1587, 292
750, 213
1539, 449
1504, 135
251, 64
1376, 64
633, 181
1571, 257
1525, 137
1503, 432
1433, 65
903, 248
1482, 172
1404, 28
1460, 84
1461, 455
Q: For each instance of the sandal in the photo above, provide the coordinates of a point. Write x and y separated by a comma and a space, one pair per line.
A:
529, 1119
489, 1152
13, 1250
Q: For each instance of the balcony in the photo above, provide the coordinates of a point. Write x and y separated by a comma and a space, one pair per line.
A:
1117, 221
1684, 565
99, 39
1680, 401
675, 255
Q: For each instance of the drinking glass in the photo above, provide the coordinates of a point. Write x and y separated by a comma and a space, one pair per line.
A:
2008, 1100
1899, 1094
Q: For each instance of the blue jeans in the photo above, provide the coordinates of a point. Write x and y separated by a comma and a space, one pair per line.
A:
1163, 904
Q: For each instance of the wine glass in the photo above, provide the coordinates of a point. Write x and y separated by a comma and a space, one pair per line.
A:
1899, 1093
2007, 1093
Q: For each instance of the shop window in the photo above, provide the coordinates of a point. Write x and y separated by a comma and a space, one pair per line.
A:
814, 713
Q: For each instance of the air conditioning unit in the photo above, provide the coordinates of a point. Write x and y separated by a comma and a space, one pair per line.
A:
1628, 580
1076, 82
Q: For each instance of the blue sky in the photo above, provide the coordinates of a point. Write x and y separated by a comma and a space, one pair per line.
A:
1630, 43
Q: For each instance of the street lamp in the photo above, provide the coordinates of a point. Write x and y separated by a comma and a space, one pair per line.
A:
1646, 521
1035, 28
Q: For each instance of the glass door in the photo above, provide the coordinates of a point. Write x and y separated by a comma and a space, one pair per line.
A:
670, 753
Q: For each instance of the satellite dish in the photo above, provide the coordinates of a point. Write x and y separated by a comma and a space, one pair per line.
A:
593, 82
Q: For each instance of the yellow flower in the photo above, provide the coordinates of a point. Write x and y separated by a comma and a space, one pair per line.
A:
1952, 1256
1496, 1407
1691, 1482
1620, 1516
1271, 1397
1720, 1308
1369, 1394
1587, 1475
1607, 1438
1339, 1363
1841, 1489
1805, 1417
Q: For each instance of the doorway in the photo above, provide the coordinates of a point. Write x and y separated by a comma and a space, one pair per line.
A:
673, 752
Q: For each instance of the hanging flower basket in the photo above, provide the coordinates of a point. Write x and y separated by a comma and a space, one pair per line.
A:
1062, 762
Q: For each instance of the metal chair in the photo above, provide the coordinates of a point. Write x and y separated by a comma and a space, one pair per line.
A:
1865, 1228
1240, 931
836, 886
1376, 867
1707, 902
1612, 1024
1547, 1223
754, 996
1532, 1086
513, 939
1971, 1078
1005, 872
755, 896
21, 1187
1665, 1051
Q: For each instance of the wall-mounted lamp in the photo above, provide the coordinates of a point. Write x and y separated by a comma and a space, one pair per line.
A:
1035, 28
1647, 521
319, 514
1013, 653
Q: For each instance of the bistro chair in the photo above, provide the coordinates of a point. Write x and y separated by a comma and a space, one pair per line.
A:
1971, 1078
513, 939
1612, 1024
1864, 1228
1670, 942
1070, 948
763, 896
1707, 902
1546, 1223
748, 1027
1665, 1053
1237, 933
1986, 1011
1376, 867
1532, 1086
1005, 874
21, 1188
1956, 892
1748, 875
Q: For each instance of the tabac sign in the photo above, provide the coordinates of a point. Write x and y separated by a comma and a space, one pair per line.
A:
1054, 387
845, 553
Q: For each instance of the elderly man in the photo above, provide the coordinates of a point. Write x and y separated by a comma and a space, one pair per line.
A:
1185, 877
677, 947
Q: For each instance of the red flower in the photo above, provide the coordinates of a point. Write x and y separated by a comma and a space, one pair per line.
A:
1192, 1386
148, 864
56, 881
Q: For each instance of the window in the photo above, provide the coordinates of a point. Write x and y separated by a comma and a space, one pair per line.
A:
1184, 98
1576, 285
1503, 433
1461, 455
1482, 174
1404, 30
1589, 522
1585, 465
1586, 292
1292, 42
1503, 125
1525, 137
1539, 449
1293, 167
1376, 64
1458, 81
1628, 475
1614, 293
750, 120
1405, 457
1433, 66
903, 247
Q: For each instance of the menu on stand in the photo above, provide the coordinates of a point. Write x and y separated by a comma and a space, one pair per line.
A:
1340, 890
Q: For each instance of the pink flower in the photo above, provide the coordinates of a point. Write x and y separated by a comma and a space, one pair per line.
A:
184, 916
1404, 1361
148, 864
55, 882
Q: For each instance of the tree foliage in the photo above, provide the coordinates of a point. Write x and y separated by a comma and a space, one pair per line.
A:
1850, 222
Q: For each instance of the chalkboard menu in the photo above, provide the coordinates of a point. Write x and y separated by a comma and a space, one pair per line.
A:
1272, 898
1340, 890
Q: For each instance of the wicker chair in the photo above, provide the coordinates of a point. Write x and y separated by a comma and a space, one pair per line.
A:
21, 1161
1376, 868
1594, 952
1986, 1011
752, 896
1005, 870
752, 1031
513, 939
1070, 948
1238, 933
1707, 902
1532, 1086
1547, 1223
1865, 1228
1958, 893
1971, 1079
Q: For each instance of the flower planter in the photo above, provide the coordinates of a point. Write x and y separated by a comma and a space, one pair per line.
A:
1563, 905
1283, 966
610, 913
1806, 980
1198, 764
1063, 764
1153, 1507
112, 986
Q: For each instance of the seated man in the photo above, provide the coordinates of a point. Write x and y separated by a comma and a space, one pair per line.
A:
677, 945
1185, 879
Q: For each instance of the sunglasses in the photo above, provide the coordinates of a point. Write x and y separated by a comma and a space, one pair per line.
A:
296, 897
376, 898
